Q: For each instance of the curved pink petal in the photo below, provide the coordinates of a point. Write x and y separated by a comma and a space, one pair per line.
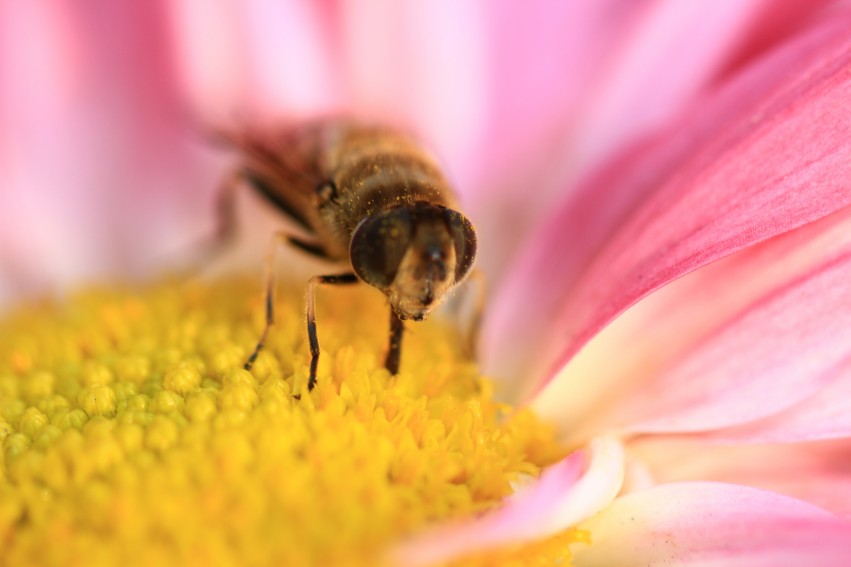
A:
785, 347
571, 84
823, 415
672, 52
566, 494
713, 525
616, 71
814, 472
732, 305
771, 157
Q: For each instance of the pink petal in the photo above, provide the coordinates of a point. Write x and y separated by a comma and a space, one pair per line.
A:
670, 54
714, 308
571, 83
91, 147
566, 494
823, 415
257, 61
541, 59
780, 350
814, 472
708, 524
772, 157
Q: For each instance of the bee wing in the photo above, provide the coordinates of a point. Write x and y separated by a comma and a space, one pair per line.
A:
282, 167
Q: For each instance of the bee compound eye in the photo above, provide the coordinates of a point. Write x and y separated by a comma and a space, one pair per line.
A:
378, 245
464, 238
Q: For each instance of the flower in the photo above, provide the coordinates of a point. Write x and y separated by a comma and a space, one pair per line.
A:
683, 253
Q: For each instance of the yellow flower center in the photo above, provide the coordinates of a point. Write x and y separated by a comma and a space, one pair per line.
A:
132, 435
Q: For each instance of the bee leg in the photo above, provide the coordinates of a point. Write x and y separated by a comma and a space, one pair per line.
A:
394, 349
196, 255
225, 209
470, 344
278, 239
338, 279
226, 222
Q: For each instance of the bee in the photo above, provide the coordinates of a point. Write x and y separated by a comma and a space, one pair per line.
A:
368, 198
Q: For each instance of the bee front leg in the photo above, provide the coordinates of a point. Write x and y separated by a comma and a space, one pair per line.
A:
394, 349
338, 279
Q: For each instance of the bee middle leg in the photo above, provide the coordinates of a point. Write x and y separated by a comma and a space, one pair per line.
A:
200, 253
279, 238
336, 279
471, 339
226, 228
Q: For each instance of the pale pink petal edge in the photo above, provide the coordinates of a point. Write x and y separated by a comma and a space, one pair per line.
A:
815, 472
566, 494
713, 524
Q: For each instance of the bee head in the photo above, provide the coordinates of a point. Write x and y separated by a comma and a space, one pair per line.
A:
415, 254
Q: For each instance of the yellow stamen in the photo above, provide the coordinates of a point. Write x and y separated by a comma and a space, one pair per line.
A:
131, 434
